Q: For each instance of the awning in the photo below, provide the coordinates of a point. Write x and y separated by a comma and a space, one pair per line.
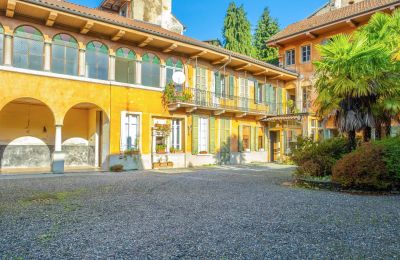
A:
282, 118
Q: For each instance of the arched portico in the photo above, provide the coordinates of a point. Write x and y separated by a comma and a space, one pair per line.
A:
85, 136
27, 135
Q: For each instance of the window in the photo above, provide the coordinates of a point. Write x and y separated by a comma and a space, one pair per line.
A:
306, 53
290, 57
123, 11
28, 48
176, 135
203, 134
243, 94
130, 132
258, 93
64, 55
201, 78
96, 60
172, 65
317, 132
260, 138
246, 138
1, 45
220, 85
125, 66
151, 70
306, 98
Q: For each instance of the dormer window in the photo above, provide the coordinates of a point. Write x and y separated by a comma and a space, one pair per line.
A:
124, 10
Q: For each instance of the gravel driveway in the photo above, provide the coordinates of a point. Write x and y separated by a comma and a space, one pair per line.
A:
223, 212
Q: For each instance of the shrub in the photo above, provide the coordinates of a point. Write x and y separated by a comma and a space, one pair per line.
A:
117, 168
364, 168
391, 156
317, 159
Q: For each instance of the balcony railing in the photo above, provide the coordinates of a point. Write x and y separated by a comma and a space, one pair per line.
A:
197, 98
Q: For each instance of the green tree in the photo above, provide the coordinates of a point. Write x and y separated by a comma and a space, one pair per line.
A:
237, 31
266, 28
358, 78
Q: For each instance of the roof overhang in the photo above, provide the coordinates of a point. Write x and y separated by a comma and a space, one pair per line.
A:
138, 35
348, 21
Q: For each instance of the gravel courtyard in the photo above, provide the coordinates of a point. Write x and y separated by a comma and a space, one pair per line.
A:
222, 212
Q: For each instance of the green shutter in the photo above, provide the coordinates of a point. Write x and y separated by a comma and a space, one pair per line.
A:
217, 84
252, 138
256, 86
265, 91
231, 86
195, 134
240, 139
212, 135
284, 145
256, 138
280, 100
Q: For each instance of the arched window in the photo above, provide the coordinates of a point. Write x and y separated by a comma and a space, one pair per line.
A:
96, 60
64, 56
125, 66
28, 48
150, 70
1, 45
172, 65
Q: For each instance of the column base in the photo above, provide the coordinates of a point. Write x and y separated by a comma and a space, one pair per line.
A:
58, 161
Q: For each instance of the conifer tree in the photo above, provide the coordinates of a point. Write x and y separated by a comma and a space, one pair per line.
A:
237, 31
266, 28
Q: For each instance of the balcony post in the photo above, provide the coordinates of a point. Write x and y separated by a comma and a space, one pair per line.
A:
8, 35
47, 54
111, 66
82, 60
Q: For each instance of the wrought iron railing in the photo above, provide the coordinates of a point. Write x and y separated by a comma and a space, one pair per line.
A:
212, 100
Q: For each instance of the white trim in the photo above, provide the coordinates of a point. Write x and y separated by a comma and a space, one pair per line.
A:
77, 78
123, 116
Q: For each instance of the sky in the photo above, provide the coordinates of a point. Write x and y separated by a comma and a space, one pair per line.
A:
204, 18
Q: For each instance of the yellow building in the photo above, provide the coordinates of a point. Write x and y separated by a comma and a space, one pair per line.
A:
87, 88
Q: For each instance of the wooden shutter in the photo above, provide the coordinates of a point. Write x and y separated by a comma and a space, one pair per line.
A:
265, 92
212, 135
217, 78
195, 134
256, 139
256, 86
240, 139
279, 101
231, 86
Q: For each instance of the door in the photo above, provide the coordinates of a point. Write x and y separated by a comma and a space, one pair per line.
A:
225, 141
275, 149
201, 86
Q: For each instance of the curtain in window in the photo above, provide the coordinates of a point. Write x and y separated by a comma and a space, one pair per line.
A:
64, 55
1, 45
172, 65
151, 70
96, 60
28, 48
125, 66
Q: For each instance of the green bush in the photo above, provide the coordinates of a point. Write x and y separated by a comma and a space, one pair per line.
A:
364, 168
117, 168
391, 156
318, 159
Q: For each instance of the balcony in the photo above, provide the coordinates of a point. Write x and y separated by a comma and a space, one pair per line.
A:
192, 99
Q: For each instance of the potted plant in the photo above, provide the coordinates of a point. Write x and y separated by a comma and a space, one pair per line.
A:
161, 148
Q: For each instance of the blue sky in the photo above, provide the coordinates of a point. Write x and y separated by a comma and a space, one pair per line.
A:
204, 18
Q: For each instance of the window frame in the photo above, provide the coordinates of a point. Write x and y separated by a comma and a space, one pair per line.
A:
98, 62
152, 65
127, 60
176, 142
292, 57
206, 139
174, 68
65, 58
29, 47
307, 52
123, 133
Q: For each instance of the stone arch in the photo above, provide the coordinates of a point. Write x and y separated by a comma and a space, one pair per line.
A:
85, 136
27, 130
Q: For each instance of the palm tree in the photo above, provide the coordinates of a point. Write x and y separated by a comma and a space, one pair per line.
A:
353, 74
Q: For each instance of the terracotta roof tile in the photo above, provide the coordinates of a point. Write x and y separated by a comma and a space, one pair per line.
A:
331, 17
116, 19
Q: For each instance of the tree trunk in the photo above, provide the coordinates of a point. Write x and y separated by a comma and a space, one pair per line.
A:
378, 132
388, 129
352, 143
367, 134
